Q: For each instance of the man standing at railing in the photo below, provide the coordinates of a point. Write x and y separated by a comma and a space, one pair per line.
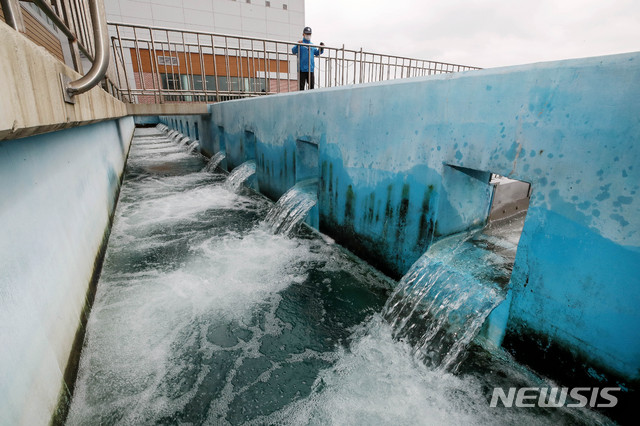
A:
305, 60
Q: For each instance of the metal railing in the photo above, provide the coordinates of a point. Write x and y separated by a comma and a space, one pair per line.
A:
83, 23
158, 65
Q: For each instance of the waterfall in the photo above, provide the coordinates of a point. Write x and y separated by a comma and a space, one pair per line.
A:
240, 174
215, 161
292, 207
193, 146
440, 305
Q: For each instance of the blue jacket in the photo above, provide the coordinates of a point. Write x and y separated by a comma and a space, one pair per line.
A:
303, 57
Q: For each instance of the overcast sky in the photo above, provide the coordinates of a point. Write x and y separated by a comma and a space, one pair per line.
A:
484, 33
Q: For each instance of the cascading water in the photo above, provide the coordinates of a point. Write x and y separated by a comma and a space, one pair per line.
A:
215, 161
240, 174
202, 317
292, 207
193, 146
440, 305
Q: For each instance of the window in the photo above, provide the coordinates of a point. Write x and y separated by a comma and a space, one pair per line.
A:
171, 81
168, 60
209, 79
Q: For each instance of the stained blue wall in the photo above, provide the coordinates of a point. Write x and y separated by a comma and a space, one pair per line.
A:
57, 193
196, 127
147, 119
570, 128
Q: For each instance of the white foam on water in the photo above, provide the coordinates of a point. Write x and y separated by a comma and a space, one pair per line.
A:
247, 271
147, 131
377, 381
141, 324
164, 202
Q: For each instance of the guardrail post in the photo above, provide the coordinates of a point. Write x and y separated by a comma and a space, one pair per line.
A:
343, 65
361, 69
13, 14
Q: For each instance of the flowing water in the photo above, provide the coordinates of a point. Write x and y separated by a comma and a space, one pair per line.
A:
204, 316
292, 207
193, 146
442, 302
215, 161
240, 174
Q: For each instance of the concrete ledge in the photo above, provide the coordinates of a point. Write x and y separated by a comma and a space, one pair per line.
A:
167, 109
32, 100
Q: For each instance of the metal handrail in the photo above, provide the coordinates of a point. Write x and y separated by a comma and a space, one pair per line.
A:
101, 60
58, 22
268, 40
157, 64
12, 15
71, 19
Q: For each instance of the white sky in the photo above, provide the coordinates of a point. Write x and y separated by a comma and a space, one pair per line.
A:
484, 33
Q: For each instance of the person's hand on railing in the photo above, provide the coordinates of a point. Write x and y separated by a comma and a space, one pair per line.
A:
321, 48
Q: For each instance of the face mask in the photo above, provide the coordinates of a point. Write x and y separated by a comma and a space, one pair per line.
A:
307, 37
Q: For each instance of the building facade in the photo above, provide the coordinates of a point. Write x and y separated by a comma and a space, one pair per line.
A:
227, 67
274, 19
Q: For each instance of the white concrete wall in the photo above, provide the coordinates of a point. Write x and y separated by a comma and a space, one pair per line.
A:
58, 190
31, 97
236, 17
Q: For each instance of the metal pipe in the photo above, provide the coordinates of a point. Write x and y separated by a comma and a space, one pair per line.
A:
101, 60
138, 60
267, 69
215, 67
13, 14
124, 64
175, 82
154, 69
203, 74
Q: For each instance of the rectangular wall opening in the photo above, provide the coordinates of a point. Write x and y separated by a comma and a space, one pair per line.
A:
248, 148
496, 208
221, 139
307, 164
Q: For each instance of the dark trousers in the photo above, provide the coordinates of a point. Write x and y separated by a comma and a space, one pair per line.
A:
306, 76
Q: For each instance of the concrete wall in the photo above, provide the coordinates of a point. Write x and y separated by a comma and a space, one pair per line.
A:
57, 194
196, 127
570, 128
31, 100
148, 120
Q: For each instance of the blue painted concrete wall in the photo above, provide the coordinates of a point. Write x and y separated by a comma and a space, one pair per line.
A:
571, 128
196, 127
147, 119
57, 192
